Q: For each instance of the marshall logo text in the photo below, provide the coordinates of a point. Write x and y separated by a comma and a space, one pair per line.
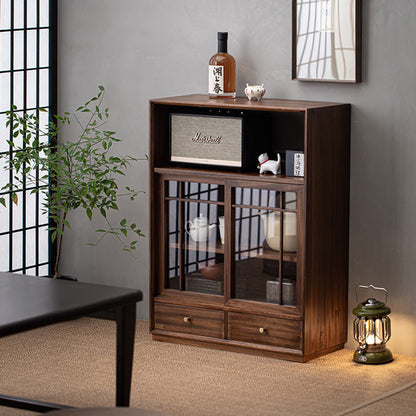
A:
200, 138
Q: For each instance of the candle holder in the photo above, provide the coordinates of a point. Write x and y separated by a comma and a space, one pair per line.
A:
372, 329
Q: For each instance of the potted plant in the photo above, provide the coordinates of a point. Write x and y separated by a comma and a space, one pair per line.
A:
78, 174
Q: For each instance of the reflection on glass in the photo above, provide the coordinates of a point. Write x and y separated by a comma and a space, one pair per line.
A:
257, 197
326, 40
173, 189
289, 200
194, 190
173, 276
262, 272
204, 191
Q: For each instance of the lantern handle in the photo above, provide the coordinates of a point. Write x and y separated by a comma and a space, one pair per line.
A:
370, 287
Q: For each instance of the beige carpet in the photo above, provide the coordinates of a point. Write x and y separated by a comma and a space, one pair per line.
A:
74, 363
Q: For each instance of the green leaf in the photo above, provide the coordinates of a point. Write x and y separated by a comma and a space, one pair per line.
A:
124, 231
2, 201
89, 213
66, 223
103, 212
14, 198
123, 222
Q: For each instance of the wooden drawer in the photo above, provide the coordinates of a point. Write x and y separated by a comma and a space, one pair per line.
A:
195, 321
265, 330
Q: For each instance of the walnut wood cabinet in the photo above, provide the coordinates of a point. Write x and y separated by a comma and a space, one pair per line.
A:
271, 277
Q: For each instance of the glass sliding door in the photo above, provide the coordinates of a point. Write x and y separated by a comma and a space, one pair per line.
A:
265, 248
195, 222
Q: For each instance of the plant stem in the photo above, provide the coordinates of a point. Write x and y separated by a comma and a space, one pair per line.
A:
58, 254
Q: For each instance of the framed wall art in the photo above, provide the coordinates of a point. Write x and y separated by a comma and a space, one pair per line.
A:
326, 40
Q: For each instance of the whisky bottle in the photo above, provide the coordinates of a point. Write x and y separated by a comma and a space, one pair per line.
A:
221, 74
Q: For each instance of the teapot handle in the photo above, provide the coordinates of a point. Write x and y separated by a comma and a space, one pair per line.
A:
186, 226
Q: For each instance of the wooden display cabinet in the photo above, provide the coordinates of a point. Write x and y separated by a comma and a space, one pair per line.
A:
274, 279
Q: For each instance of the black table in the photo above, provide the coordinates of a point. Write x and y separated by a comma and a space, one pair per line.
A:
28, 302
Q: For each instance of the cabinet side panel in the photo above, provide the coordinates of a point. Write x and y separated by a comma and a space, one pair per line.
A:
152, 205
327, 227
159, 135
158, 151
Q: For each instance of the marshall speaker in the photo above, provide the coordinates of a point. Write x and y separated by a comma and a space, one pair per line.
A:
232, 141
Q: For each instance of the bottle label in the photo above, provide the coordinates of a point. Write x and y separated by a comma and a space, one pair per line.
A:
216, 79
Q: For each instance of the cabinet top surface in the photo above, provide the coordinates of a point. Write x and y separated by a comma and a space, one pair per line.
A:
270, 104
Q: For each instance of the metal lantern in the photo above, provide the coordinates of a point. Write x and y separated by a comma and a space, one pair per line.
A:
372, 329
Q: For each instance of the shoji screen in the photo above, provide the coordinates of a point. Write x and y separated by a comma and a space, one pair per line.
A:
28, 81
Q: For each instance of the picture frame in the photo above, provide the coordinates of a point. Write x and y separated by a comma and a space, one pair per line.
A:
326, 40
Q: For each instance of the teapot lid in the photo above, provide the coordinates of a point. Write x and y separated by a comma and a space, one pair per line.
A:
201, 220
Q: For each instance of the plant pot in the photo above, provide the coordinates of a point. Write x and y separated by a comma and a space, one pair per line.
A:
63, 277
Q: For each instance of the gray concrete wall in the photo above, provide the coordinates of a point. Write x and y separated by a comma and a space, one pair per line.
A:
141, 49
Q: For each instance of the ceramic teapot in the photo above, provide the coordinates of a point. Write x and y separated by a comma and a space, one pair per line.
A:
271, 222
199, 229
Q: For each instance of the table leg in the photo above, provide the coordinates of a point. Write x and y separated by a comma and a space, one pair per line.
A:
28, 404
126, 326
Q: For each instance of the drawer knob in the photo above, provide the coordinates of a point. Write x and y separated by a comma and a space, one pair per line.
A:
262, 330
187, 319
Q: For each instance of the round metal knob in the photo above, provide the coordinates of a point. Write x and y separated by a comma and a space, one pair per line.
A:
262, 330
187, 319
